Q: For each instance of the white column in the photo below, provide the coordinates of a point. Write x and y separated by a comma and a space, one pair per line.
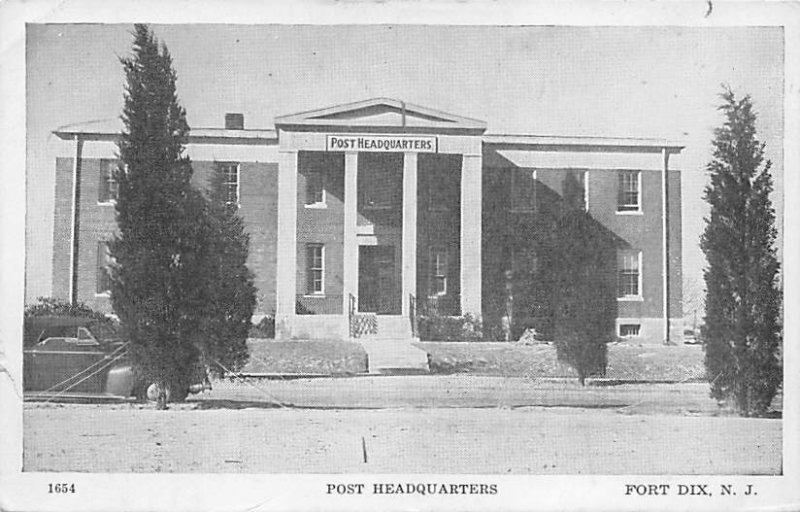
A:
409, 230
75, 221
286, 260
665, 241
471, 195
350, 241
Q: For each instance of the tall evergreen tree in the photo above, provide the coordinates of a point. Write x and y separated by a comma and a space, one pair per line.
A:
231, 292
579, 259
158, 251
742, 329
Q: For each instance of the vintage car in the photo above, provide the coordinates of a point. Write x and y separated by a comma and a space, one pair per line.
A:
73, 356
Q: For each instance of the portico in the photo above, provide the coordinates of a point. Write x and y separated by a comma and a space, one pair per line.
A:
365, 222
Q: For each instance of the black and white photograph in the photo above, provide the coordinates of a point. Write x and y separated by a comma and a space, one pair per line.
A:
358, 255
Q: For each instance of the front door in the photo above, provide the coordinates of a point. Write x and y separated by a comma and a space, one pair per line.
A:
376, 280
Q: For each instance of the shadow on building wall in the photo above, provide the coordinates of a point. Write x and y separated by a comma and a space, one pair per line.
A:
547, 261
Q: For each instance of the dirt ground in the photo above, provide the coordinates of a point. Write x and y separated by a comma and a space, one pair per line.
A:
408, 425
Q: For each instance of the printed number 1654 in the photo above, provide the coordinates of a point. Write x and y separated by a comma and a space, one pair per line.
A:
60, 488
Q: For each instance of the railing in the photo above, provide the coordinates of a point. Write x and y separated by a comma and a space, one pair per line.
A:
361, 324
351, 312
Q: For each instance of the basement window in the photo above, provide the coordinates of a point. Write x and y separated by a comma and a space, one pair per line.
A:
629, 330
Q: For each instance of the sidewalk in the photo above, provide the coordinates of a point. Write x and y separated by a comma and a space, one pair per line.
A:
456, 391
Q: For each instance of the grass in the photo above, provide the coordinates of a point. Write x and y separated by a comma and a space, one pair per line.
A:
654, 363
305, 357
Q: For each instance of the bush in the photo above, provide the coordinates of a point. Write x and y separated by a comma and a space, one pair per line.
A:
265, 329
102, 326
450, 328
51, 306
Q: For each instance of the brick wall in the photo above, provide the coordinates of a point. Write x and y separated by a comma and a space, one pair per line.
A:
258, 208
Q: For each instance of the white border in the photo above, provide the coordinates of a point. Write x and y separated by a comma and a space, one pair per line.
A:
280, 492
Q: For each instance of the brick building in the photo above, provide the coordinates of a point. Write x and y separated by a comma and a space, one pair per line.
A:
382, 207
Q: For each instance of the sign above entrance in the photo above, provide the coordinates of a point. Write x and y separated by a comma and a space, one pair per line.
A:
382, 143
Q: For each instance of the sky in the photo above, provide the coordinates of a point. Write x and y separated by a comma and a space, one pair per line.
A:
659, 82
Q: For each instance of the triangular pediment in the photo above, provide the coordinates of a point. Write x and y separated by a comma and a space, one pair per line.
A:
380, 114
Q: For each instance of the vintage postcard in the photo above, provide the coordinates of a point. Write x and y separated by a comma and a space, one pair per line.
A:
399, 256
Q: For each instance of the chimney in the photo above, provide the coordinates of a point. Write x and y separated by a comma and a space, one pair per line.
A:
234, 121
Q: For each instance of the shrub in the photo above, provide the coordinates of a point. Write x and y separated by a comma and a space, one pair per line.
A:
102, 326
450, 328
265, 329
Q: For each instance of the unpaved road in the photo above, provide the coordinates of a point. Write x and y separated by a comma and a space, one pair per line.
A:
426, 425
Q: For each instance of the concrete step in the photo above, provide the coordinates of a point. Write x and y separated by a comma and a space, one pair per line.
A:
394, 356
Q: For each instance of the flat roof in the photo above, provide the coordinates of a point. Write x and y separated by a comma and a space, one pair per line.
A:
587, 142
110, 129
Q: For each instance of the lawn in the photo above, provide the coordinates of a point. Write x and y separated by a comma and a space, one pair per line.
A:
628, 363
656, 363
318, 357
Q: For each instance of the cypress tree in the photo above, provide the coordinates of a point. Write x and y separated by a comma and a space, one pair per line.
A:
159, 245
743, 302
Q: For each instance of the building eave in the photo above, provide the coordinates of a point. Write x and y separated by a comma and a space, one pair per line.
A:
579, 143
196, 135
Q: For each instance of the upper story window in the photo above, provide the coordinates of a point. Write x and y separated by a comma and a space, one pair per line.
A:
315, 269
629, 192
523, 190
629, 280
315, 187
108, 186
438, 272
230, 182
103, 261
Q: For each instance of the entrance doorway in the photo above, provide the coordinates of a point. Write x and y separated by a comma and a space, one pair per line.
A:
377, 289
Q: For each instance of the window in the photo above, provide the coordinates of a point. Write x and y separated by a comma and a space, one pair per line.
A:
315, 268
109, 188
628, 196
438, 272
103, 261
523, 190
629, 281
315, 187
230, 182
629, 330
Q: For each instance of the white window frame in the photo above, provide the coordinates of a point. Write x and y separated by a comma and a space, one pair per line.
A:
225, 166
108, 164
97, 292
638, 210
639, 296
310, 269
586, 190
323, 179
434, 272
